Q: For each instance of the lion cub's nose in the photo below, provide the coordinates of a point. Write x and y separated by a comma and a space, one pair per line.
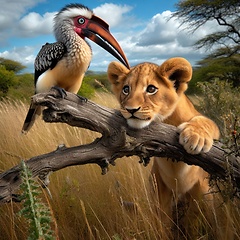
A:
132, 110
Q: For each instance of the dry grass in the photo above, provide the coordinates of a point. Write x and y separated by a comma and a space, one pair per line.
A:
87, 205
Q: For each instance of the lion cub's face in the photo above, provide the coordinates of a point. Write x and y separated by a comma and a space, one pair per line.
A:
145, 92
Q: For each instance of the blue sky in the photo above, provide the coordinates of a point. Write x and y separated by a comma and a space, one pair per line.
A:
141, 27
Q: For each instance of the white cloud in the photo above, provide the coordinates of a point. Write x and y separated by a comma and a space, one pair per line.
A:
11, 11
162, 30
163, 38
158, 31
33, 24
24, 55
159, 40
10, 14
113, 14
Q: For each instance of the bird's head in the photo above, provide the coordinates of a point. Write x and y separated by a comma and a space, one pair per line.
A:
86, 24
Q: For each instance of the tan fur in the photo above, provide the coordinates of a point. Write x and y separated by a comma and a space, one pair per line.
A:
169, 104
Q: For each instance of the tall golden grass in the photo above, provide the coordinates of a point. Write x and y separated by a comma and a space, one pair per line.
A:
87, 205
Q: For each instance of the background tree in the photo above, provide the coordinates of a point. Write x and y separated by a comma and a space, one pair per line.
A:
8, 77
213, 69
6, 80
223, 62
12, 65
17, 85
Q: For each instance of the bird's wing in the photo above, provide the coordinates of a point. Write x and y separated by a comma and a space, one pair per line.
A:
48, 57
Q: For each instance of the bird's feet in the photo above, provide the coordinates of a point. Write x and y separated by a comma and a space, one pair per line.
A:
61, 91
83, 99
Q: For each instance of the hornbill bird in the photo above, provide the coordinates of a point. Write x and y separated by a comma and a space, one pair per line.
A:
63, 64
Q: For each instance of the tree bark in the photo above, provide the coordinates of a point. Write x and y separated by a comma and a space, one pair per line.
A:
117, 140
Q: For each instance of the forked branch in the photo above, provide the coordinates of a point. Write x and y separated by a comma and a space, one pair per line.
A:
117, 140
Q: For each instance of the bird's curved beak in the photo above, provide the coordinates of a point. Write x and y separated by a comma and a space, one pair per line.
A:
98, 31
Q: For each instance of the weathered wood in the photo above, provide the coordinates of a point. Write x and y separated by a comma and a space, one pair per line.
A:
117, 140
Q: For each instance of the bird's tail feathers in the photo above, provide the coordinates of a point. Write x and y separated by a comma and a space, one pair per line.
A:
33, 112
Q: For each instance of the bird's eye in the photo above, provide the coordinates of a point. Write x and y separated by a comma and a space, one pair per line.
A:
126, 90
151, 89
81, 20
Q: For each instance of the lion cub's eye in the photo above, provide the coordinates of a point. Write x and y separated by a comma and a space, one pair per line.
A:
151, 89
126, 90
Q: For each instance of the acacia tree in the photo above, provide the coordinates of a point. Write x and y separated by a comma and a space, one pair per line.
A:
226, 42
8, 70
219, 68
11, 65
6, 80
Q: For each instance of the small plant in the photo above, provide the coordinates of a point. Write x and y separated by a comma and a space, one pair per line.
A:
221, 102
36, 213
219, 99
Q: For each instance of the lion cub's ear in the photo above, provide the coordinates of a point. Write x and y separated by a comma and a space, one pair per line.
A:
116, 72
178, 70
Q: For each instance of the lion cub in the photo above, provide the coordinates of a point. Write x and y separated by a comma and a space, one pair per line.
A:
148, 91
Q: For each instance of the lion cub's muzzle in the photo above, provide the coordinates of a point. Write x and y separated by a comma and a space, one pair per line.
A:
136, 117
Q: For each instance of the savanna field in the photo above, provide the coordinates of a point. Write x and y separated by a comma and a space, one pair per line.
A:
80, 203
87, 205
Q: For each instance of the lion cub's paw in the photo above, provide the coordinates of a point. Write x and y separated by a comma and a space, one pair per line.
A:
194, 137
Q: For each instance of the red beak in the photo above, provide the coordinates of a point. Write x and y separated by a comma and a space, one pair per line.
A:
98, 31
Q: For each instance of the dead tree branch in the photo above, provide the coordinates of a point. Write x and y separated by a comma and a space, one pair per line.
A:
117, 140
